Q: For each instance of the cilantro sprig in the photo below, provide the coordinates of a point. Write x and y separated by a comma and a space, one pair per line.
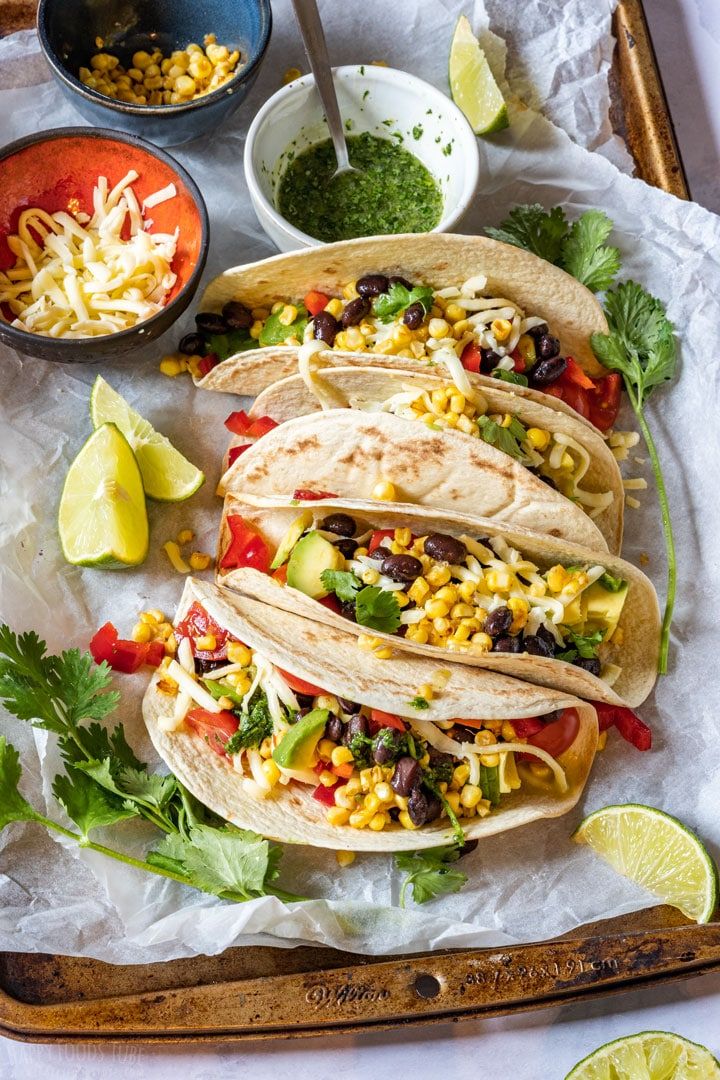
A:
429, 873
398, 298
375, 608
583, 645
507, 439
579, 248
105, 783
641, 346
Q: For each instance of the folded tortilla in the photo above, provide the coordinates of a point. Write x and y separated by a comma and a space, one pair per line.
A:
328, 656
348, 450
438, 259
639, 621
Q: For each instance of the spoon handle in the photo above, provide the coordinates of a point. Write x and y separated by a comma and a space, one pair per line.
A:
308, 18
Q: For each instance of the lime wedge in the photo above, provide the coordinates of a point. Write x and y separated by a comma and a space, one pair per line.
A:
102, 518
656, 851
472, 85
652, 1055
167, 475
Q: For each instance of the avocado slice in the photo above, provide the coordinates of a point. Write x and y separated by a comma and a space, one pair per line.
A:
297, 746
275, 333
311, 555
603, 607
291, 538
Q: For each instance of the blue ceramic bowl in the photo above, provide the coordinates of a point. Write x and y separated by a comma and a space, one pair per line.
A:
68, 29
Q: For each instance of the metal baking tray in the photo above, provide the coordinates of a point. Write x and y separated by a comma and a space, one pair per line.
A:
267, 993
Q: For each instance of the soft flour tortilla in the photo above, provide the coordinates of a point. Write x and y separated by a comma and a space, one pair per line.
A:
639, 621
438, 259
446, 469
329, 657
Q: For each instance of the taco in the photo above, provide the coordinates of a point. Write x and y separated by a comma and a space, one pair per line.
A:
490, 454
452, 587
475, 308
283, 728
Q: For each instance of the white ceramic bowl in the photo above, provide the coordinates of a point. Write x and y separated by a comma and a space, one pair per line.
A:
432, 127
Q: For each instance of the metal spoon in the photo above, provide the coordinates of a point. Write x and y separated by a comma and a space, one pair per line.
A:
308, 19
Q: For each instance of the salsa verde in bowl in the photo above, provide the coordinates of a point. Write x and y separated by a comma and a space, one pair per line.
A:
424, 136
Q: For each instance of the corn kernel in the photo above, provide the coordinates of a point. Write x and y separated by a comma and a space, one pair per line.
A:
354, 339
368, 642
417, 633
384, 491
484, 641
288, 315
271, 772
327, 778
470, 796
436, 609
383, 652
556, 578
453, 799
266, 747
325, 748
344, 858
602, 739
353, 785
497, 580
402, 335
453, 312
359, 819
370, 576
493, 725
538, 438
438, 575
341, 755
349, 291
462, 611
441, 626
403, 537
170, 365
344, 798
508, 731
238, 653
338, 815
384, 792
418, 590
438, 328
460, 775
540, 770
199, 560
141, 632
371, 802
334, 307
490, 760
185, 536
447, 593
377, 822
171, 645
501, 329
406, 821
401, 599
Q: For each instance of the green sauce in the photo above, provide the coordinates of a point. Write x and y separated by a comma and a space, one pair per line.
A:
393, 193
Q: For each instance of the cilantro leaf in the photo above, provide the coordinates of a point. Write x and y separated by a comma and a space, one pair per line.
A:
585, 644
584, 254
429, 874
343, 583
398, 298
235, 341
419, 703
150, 788
360, 746
535, 229
223, 862
610, 583
507, 439
13, 806
254, 726
515, 377
377, 609
87, 804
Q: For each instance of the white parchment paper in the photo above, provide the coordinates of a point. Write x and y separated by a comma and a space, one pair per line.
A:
525, 885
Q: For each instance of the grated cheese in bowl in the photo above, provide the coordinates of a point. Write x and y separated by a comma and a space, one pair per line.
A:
80, 277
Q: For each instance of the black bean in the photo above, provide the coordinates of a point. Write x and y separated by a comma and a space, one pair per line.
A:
547, 636
237, 316
406, 776
417, 807
547, 347
325, 327
203, 666
340, 524
210, 323
463, 734
498, 621
445, 548
386, 745
439, 758
414, 315
305, 700
348, 706
434, 808
489, 360
547, 371
395, 279
192, 344
356, 725
538, 331
547, 480
511, 643
334, 728
588, 663
347, 608
402, 567
355, 311
536, 646
347, 546
372, 285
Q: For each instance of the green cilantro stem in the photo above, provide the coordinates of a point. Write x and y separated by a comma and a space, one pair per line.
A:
666, 524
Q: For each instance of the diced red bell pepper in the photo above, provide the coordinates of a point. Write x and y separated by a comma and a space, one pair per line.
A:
320, 766
527, 726
605, 401
316, 302
207, 363
631, 727
377, 538
574, 373
519, 363
326, 795
331, 602
260, 426
246, 547
236, 451
380, 719
197, 624
214, 728
300, 686
123, 655
241, 424
471, 358
280, 574
307, 495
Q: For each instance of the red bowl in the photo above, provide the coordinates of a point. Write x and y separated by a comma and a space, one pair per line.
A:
57, 170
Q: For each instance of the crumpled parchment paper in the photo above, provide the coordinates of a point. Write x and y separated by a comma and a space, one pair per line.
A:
526, 885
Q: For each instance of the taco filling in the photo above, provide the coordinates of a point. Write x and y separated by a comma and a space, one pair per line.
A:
370, 769
462, 594
456, 327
